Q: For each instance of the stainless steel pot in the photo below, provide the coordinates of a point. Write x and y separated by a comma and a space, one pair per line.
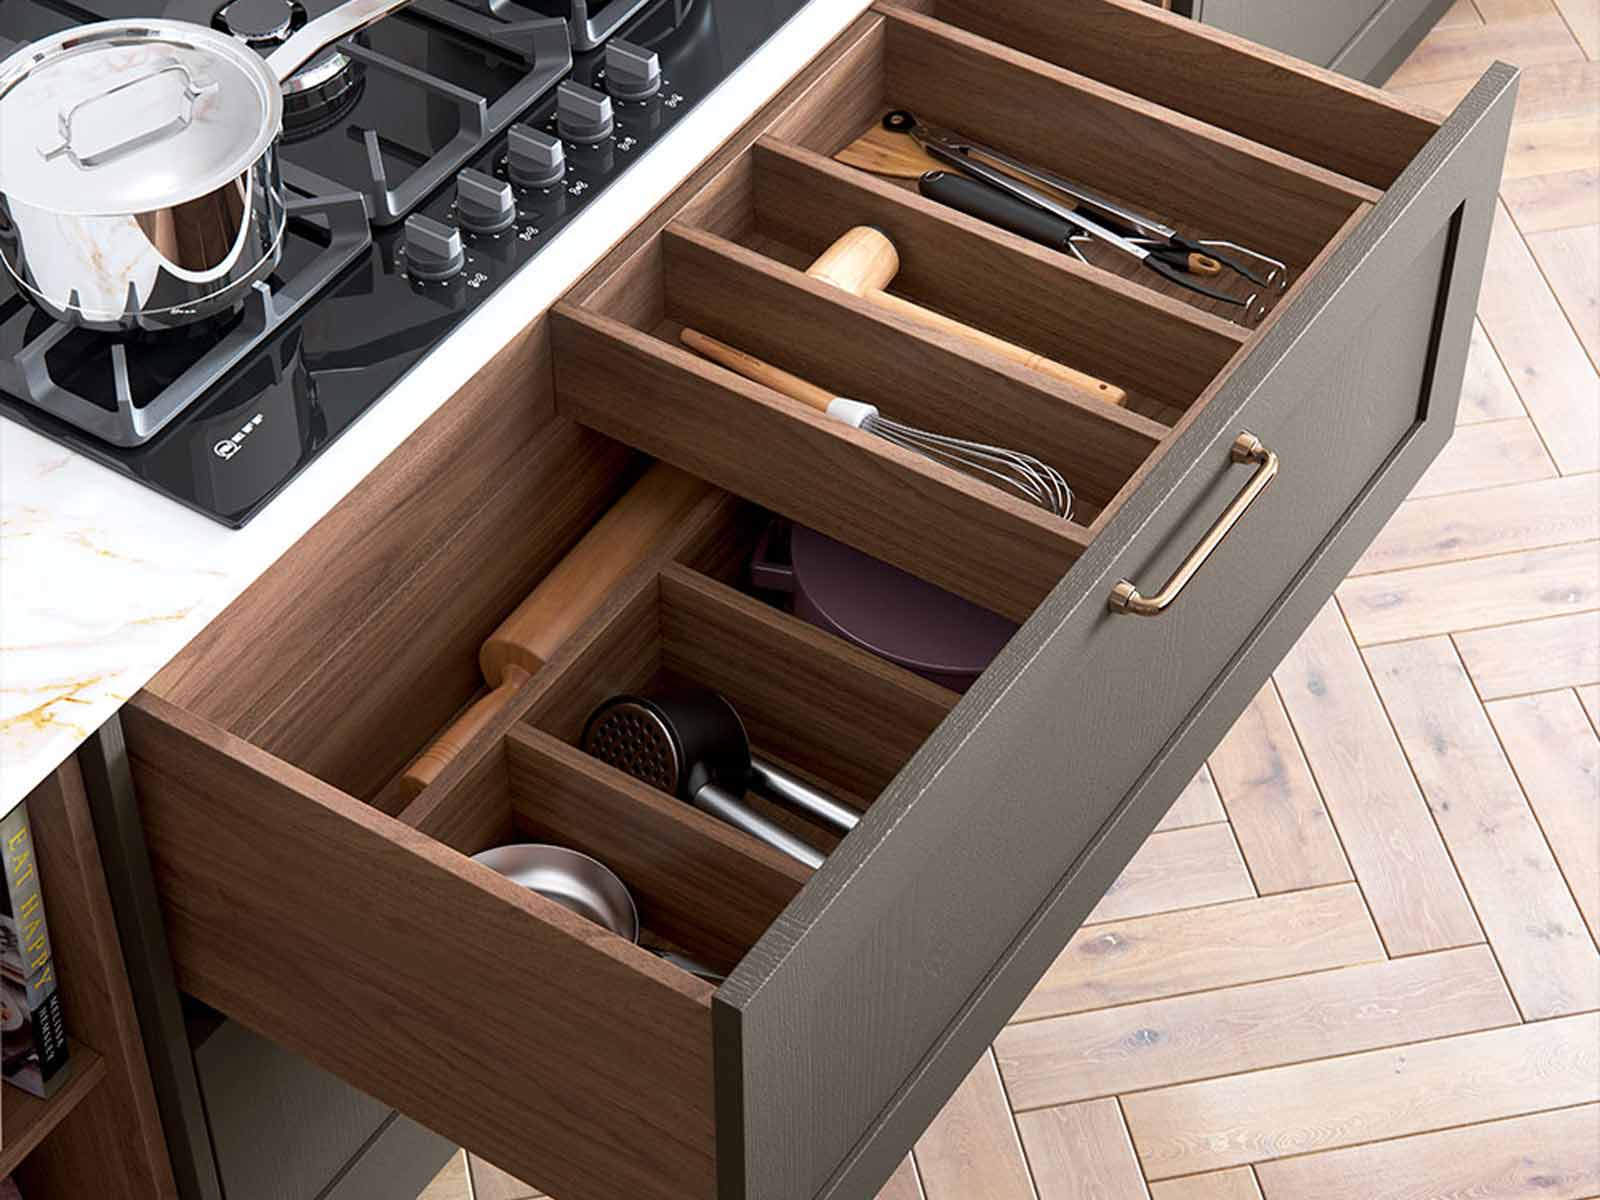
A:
139, 184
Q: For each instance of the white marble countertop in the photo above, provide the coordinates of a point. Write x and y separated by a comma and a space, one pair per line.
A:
103, 582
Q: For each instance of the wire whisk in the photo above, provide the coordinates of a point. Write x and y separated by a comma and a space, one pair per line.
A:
1021, 475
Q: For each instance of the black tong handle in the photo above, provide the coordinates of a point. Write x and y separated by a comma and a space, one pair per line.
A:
992, 205
978, 199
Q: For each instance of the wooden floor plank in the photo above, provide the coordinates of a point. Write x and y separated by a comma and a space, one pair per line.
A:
1236, 1183
1197, 949
489, 1182
1547, 1156
451, 1182
1164, 1042
1462, 12
1366, 783
1266, 1115
1520, 896
1197, 804
1273, 803
1496, 12
1521, 516
1544, 93
1554, 90
1081, 1152
903, 1184
1570, 259
972, 1149
1543, 356
1583, 18
1486, 392
1545, 202
1548, 147
1465, 52
1452, 597
1487, 455
1183, 868
1533, 656
1556, 755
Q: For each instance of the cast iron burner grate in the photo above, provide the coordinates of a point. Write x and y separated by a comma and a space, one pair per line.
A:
542, 43
134, 418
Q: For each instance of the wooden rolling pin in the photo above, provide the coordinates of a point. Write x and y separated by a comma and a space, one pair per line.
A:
864, 261
565, 598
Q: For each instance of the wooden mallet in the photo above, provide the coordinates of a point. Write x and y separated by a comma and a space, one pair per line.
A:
566, 597
864, 261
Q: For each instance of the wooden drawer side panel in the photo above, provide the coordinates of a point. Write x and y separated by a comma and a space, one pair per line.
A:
492, 1016
1218, 77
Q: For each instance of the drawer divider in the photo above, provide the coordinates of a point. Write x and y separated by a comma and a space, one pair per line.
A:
1083, 315
1270, 97
916, 374
927, 519
1160, 159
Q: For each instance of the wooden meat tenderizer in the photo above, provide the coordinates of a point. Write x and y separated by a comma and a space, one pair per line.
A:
564, 599
864, 261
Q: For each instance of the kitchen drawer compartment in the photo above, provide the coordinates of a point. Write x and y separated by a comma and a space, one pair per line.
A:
632, 380
859, 994
837, 718
791, 203
1257, 92
1207, 182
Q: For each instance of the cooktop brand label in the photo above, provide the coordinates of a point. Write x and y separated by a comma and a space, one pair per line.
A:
229, 446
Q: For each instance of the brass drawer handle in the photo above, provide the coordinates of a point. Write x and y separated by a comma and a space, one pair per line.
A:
1247, 448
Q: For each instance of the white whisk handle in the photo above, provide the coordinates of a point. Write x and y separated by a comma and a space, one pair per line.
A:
852, 412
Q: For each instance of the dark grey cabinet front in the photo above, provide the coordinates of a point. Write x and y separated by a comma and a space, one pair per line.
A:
846, 1028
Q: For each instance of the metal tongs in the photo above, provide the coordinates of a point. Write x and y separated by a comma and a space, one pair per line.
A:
1094, 217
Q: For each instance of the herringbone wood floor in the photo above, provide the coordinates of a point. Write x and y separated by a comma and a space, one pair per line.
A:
1358, 961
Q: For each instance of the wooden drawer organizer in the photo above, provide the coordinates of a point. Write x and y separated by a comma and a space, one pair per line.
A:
306, 898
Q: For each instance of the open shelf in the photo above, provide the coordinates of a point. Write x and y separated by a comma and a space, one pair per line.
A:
25, 1120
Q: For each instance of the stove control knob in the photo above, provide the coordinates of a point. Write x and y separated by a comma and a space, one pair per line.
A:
484, 204
632, 72
534, 159
433, 249
583, 115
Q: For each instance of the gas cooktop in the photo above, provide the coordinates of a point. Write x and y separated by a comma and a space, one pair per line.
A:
428, 159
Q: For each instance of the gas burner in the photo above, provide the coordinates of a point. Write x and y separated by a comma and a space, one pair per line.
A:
317, 95
263, 25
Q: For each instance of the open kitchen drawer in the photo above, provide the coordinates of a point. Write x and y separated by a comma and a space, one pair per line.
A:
312, 900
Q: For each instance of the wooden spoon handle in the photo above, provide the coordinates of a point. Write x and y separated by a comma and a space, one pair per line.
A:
763, 373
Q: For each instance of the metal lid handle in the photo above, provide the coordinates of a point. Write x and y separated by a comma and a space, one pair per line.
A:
120, 140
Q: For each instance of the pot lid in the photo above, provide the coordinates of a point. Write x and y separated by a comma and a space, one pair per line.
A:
132, 116
894, 614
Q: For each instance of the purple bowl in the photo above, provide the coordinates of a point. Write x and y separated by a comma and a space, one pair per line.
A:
880, 608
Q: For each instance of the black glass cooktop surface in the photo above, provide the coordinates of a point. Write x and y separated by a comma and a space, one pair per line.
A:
259, 399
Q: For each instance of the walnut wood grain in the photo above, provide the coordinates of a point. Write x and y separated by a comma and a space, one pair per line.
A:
28, 1120
1011, 287
111, 1143
1226, 80
366, 548
1132, 149
418, 648
917, 375
998, 552
805, 696
698, 882
495, 1017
